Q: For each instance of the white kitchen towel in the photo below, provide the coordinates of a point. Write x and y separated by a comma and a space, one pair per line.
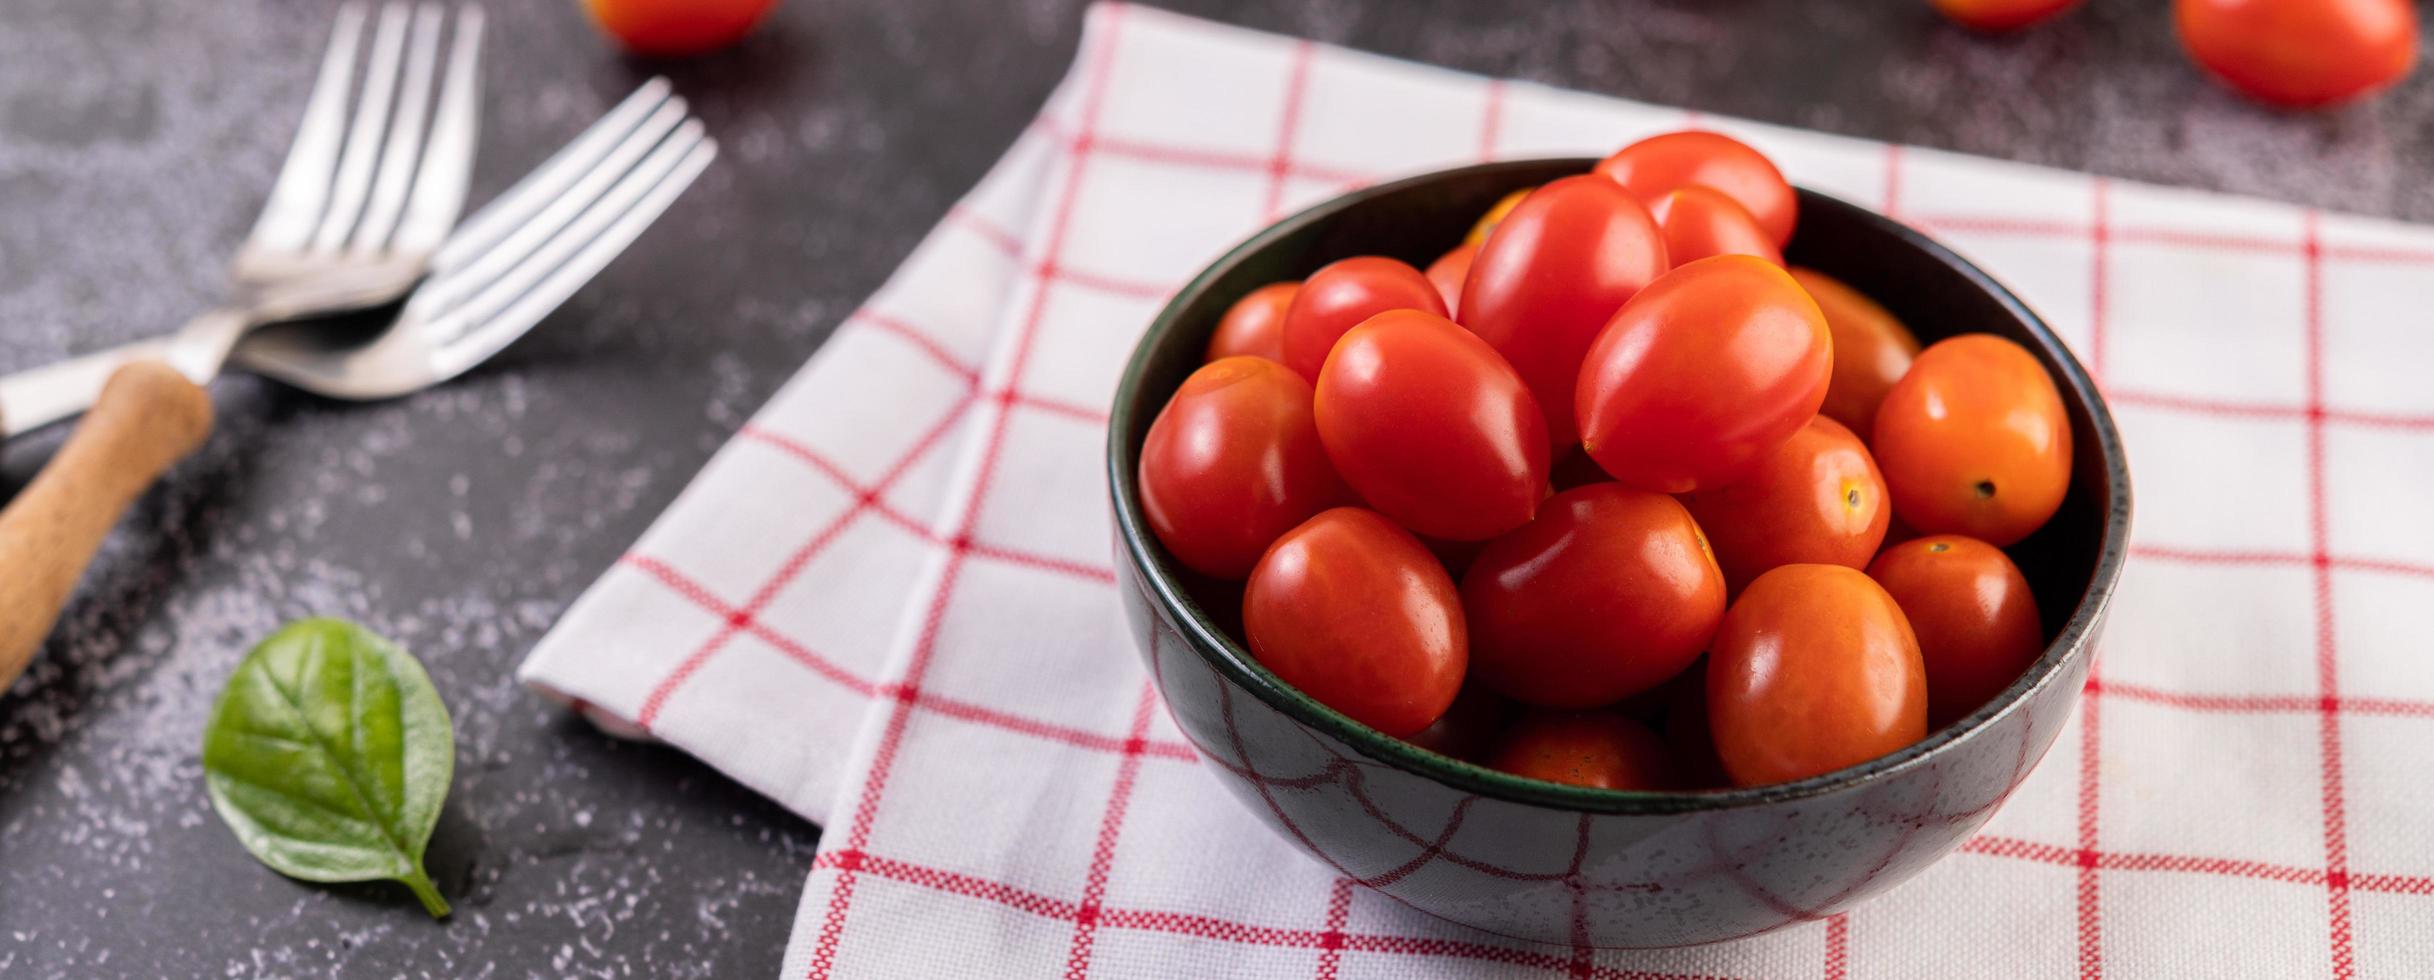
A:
888, 602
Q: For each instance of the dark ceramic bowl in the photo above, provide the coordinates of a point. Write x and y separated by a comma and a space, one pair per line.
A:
1560, 864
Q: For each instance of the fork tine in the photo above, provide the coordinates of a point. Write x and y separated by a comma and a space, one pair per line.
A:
439, 190
529, 195
396, 172
554, 213
304, 180
511, 306
363, 135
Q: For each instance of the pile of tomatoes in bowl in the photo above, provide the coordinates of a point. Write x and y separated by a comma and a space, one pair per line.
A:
1609, 496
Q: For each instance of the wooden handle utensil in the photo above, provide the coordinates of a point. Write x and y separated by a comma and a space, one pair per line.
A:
148, 418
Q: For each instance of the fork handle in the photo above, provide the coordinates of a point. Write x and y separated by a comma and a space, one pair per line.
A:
148, 417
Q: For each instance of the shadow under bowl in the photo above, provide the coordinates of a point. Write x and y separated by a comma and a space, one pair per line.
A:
1539, 861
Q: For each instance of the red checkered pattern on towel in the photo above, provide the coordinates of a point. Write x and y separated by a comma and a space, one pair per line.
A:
888, 603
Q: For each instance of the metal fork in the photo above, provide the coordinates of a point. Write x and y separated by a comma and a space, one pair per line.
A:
361, 206
513, 262
492, 281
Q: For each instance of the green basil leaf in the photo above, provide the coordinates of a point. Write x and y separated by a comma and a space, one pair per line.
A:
329, 754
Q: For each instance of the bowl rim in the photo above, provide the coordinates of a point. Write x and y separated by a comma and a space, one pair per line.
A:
1229, 659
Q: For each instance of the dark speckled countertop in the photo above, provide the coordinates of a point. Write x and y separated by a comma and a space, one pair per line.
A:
138, 136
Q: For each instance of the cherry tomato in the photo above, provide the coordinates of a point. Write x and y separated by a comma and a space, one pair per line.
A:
2000, 15
1431, 428
1974, 616
1813, 670
1495, 214
1554, 272
1338, 297
1596, 749
1449, 270
1816, 498
2301, 52
676, 28
1232, 461
1703, 373
1352, 611
1872, 349
1694, 158
1607, 594
1974, 441
1470, 728
1255, 325
1700, 221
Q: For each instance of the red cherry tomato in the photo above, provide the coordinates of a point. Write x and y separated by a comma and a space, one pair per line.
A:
1693, 158
1813, 670
1596, 749
1233, 461
1338, 297
675, 28
1703, 373
2000, 15
1872, 349
1433, 429
1470, 728
1551, 275
1700, 221
1974, 441
1974, 616
1816, 498
1610, 592
2301, 52
1255, 325
1449, 270
1352, 611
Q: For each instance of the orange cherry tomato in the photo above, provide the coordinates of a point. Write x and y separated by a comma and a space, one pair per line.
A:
1813, 670
1695, 158
1974, 441
1495, 214
1816, 498
1872, 349
1353, 611
1339, 296
1596, 749
1449, 270
1995, 16
676, 28
1470, 728
2301, 53
1701, 221
1233, 461
1431, 428
1609, 593
1552, 275
1974, 616
1703, 373
1255, 325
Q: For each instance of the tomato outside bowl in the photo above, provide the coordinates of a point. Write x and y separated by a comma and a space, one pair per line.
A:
1565, 865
